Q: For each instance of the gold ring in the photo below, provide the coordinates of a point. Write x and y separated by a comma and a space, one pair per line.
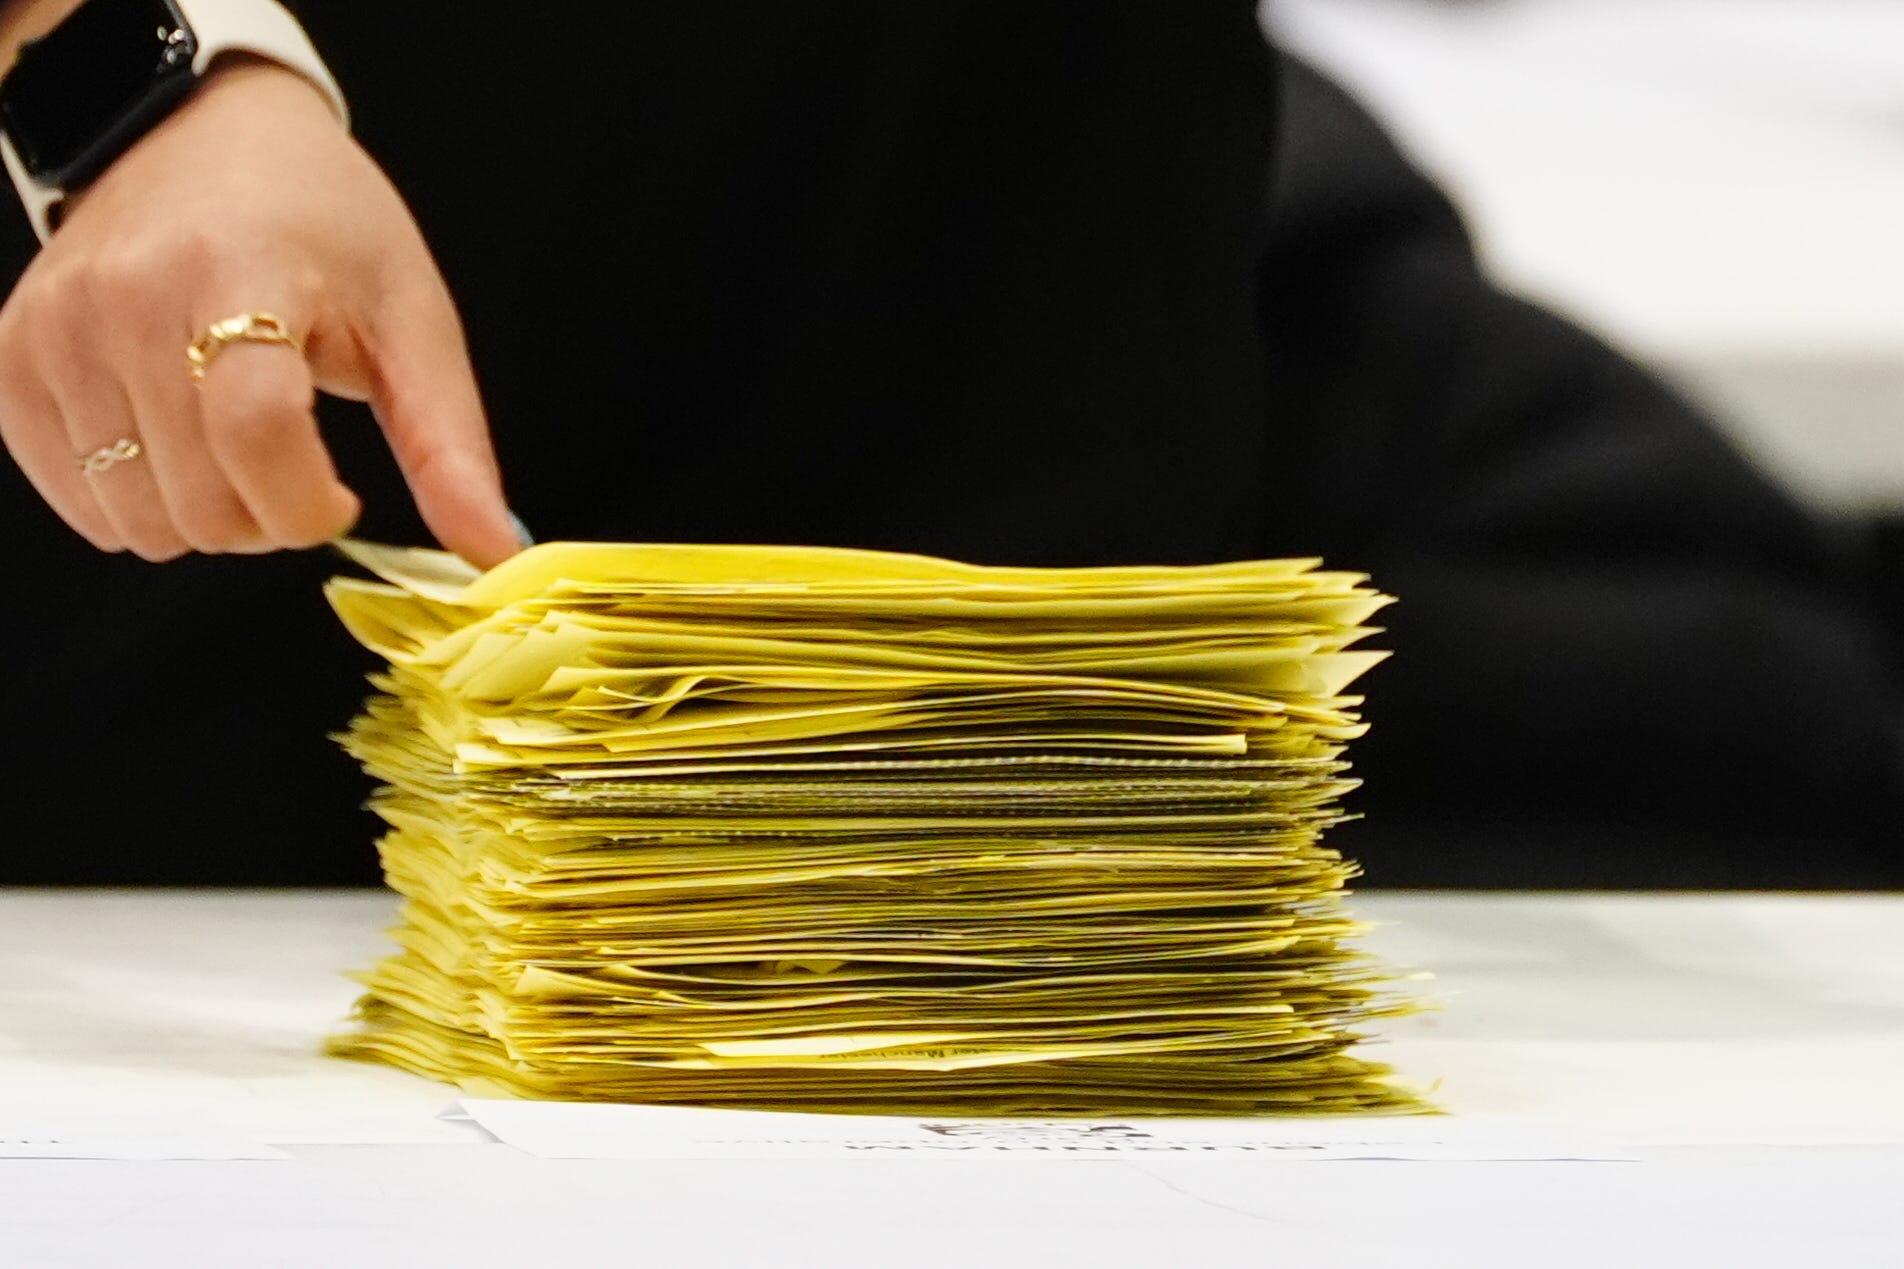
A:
256, 328
123, 450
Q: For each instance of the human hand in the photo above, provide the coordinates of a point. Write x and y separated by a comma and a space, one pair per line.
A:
249, 198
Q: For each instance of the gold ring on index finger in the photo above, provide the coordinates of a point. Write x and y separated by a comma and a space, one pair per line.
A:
255, 328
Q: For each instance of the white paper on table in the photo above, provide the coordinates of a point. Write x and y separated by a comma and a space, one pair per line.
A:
577, 1130
138, 1139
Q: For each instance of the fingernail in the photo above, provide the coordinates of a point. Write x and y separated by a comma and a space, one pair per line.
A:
522, 530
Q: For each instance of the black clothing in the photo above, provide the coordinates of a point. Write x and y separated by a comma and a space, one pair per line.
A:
1053, 284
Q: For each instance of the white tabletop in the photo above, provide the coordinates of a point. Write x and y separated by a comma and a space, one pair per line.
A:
1747, 1049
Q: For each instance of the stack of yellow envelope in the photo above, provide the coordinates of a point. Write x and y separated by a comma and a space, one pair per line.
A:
845, 830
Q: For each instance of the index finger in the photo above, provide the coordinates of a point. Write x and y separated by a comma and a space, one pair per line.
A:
424, 394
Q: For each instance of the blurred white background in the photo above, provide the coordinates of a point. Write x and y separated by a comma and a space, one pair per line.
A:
1715, 185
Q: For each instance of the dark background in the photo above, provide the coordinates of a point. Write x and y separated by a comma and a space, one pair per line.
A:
1094, 283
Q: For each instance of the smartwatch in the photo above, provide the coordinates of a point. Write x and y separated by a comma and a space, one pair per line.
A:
79, 96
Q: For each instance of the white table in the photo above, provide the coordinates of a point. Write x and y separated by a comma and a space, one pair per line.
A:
1748, 1049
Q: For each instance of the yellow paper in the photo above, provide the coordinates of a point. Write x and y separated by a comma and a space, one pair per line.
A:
845, 830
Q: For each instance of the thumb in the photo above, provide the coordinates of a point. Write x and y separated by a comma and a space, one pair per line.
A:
424, 395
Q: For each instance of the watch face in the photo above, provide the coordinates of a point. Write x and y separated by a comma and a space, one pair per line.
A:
93, 85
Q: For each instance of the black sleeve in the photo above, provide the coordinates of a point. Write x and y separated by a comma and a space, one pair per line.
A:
1623, 656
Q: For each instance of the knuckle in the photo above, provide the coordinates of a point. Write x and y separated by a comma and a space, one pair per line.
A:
47, 307
16, 376
16, 320
233, 260
115, 281
41, 294
239, 435
160, 551
304, 520
432, 462
195, 251
213, 525
96, 534
134, 274
102, 279
72, 296
303, 289
307, 535
148, 531
252, 412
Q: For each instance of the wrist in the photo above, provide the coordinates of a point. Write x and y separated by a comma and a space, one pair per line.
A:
257, 80
261, 89
79, 96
